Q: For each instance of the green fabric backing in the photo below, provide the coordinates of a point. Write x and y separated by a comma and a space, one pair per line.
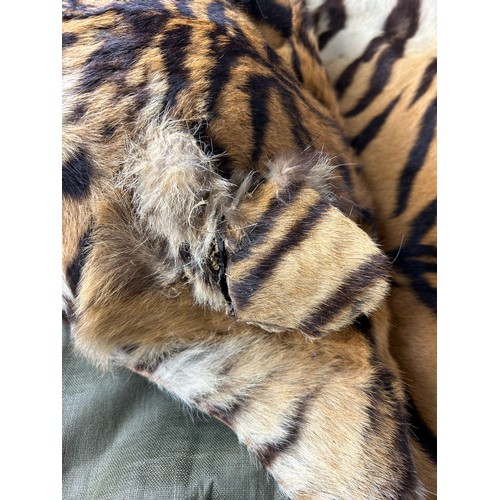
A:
125, 439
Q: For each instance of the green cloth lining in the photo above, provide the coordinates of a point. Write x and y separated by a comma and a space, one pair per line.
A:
125, 439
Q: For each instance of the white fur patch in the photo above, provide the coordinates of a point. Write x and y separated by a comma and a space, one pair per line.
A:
365, 21
68, 299
197, 371
424, 42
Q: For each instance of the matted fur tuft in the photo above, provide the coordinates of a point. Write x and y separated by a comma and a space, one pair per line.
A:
315, 169
179, 196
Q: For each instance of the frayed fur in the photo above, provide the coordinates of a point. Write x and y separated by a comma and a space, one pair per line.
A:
314, 168
178, 195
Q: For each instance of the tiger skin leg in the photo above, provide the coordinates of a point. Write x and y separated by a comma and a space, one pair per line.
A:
162, 245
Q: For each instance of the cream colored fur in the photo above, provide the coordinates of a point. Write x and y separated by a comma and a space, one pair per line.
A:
179, 197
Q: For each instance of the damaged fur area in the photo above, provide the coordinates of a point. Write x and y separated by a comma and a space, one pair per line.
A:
178, 195
316, 170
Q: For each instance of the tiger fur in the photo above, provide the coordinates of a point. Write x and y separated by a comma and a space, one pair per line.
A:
218, 238
382, 59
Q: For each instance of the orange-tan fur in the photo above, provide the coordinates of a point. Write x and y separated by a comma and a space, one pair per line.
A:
151, 215
412, 87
